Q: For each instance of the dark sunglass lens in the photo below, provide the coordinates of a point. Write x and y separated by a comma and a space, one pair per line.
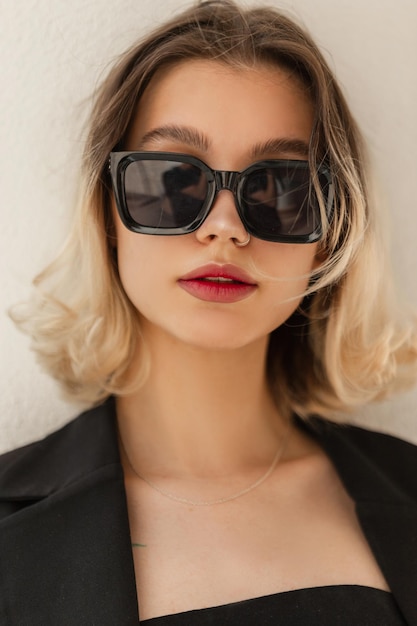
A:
279, 200
164, 194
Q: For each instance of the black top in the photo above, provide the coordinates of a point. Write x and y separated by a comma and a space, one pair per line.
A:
65, 547
339, 605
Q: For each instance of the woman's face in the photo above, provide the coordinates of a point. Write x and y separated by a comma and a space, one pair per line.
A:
229, 118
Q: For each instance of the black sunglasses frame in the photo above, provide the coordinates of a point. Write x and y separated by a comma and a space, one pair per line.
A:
216, 181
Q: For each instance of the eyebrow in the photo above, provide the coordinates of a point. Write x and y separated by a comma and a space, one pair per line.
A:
181, 134
283, 146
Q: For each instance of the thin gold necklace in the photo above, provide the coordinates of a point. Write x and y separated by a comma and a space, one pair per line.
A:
172, 496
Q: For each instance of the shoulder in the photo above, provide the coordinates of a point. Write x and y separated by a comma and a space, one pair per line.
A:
36, 470
372, 464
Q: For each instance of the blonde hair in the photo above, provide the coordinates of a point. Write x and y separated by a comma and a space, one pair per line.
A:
344, 346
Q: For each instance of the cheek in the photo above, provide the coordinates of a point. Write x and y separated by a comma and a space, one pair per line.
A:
143, 262
286, 261
303, 257
131, 257
287, 275
136, 265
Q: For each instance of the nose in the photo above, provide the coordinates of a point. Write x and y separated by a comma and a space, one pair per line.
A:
223, 222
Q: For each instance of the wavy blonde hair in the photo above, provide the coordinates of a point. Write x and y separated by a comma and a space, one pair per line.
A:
344, 346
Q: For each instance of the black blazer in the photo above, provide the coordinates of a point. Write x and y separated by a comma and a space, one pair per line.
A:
65, 553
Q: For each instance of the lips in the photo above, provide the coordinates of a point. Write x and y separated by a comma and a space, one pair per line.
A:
218, 283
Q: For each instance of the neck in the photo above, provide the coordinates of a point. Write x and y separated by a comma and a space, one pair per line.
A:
201, 412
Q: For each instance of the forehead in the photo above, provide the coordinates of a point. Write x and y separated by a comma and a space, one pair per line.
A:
237, 106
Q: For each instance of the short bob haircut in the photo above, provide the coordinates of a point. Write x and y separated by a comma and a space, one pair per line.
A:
344, 346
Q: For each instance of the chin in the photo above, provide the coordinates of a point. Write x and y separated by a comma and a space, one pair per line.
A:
198, 335
218, 343
211, 329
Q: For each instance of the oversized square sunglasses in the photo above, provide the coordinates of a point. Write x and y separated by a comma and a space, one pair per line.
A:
164, 193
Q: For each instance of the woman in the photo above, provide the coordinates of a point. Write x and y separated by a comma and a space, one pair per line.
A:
221, 295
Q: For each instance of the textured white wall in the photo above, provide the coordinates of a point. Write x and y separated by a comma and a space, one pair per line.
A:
53, 53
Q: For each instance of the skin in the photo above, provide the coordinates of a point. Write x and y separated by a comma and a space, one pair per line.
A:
204, 424
275, 110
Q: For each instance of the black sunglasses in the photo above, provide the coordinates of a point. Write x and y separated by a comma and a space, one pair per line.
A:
164, 193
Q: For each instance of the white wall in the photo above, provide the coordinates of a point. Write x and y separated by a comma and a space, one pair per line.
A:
53, 53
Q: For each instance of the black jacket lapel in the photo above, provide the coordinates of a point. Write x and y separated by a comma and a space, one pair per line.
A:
386, 508
67, 559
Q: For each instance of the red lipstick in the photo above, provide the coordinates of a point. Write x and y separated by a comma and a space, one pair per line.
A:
218, 283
